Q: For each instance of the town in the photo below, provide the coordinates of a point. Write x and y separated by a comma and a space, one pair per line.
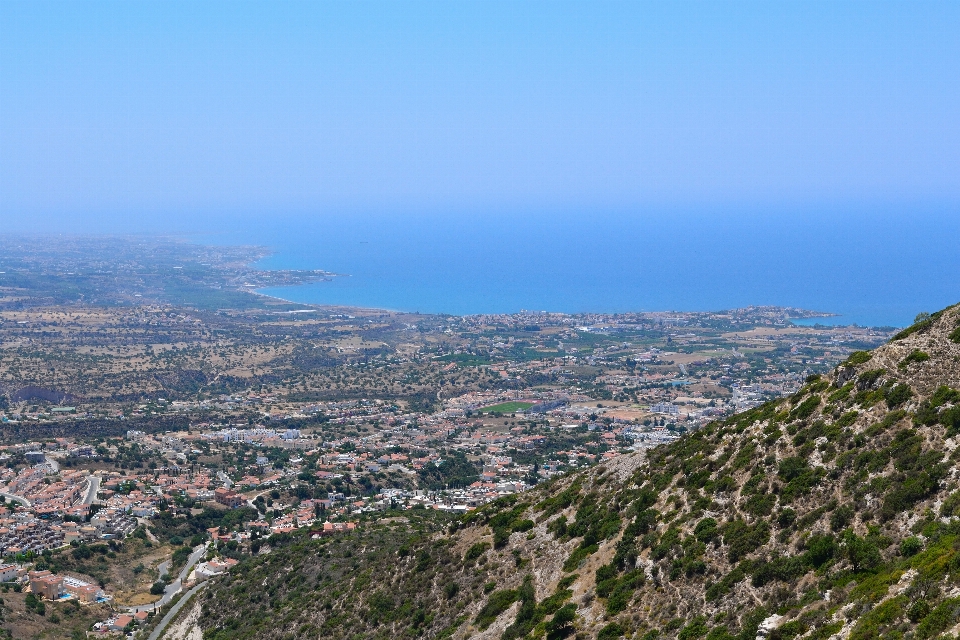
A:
145, 448
471, 409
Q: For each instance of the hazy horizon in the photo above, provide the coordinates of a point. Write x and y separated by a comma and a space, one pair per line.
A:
137, 116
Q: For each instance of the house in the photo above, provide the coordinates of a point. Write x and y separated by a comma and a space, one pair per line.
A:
214, 567
121, 622
46, 585
330, 528
85, 593
9, 572
143, 511
141, 616
228, 498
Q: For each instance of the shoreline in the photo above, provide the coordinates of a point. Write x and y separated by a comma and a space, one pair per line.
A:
815, 315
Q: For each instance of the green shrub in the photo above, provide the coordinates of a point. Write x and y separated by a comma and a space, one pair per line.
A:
903, 495
721, 633
180, 556
898, 394
695, 629
579, 555
806, 408
858, 358
791, 468
35, 604
760, 504
558, 527
951, 506
475, 551
789, 630
527, 615
723, 587
622, 591
741, 539
522, 526
918, 611
611, 632
706, 530
800, 478
841, 394
595, 522
915, 356
939, 619
926, 414
785, 517
556, 504
868, 379
783, 569
562, 621
910, 547
873, 624
552, 604
497, 603
943, 395
862, 553
841, 517
821, 549
951, 420
566, 581
846, 419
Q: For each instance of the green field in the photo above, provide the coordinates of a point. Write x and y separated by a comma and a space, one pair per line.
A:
465, 359
507, 407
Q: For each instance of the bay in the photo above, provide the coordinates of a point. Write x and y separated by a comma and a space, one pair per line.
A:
873, 269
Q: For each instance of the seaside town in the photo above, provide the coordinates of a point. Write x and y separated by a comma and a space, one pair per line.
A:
333, 420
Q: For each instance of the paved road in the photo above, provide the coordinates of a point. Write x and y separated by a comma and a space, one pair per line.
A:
53, 464
227, 482
20, 499
93, 486
174, 587
158, 631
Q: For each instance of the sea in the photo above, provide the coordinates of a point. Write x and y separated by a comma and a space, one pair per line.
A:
863, 267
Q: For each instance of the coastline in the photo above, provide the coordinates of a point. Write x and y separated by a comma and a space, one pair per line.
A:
792, 320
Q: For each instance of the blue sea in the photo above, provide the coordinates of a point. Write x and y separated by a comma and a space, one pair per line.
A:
867, 268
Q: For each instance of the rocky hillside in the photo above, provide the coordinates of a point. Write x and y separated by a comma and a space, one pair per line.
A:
834, 513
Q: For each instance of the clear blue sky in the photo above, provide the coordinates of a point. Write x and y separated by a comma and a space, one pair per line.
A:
144, 110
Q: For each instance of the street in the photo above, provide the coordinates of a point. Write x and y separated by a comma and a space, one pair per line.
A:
173, 612
93, 486
174, 587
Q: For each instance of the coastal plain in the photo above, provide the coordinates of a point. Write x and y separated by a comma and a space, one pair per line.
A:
157, 415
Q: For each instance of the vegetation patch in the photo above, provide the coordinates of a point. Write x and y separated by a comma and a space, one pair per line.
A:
507, 407
915, 356
858, 358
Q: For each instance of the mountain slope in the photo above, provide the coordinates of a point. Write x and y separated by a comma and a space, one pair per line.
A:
832, 513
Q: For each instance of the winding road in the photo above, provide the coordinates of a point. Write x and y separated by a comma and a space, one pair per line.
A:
20, 499
174, 611
174, 587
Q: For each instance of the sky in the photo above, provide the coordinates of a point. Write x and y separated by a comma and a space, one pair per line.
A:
170, 112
